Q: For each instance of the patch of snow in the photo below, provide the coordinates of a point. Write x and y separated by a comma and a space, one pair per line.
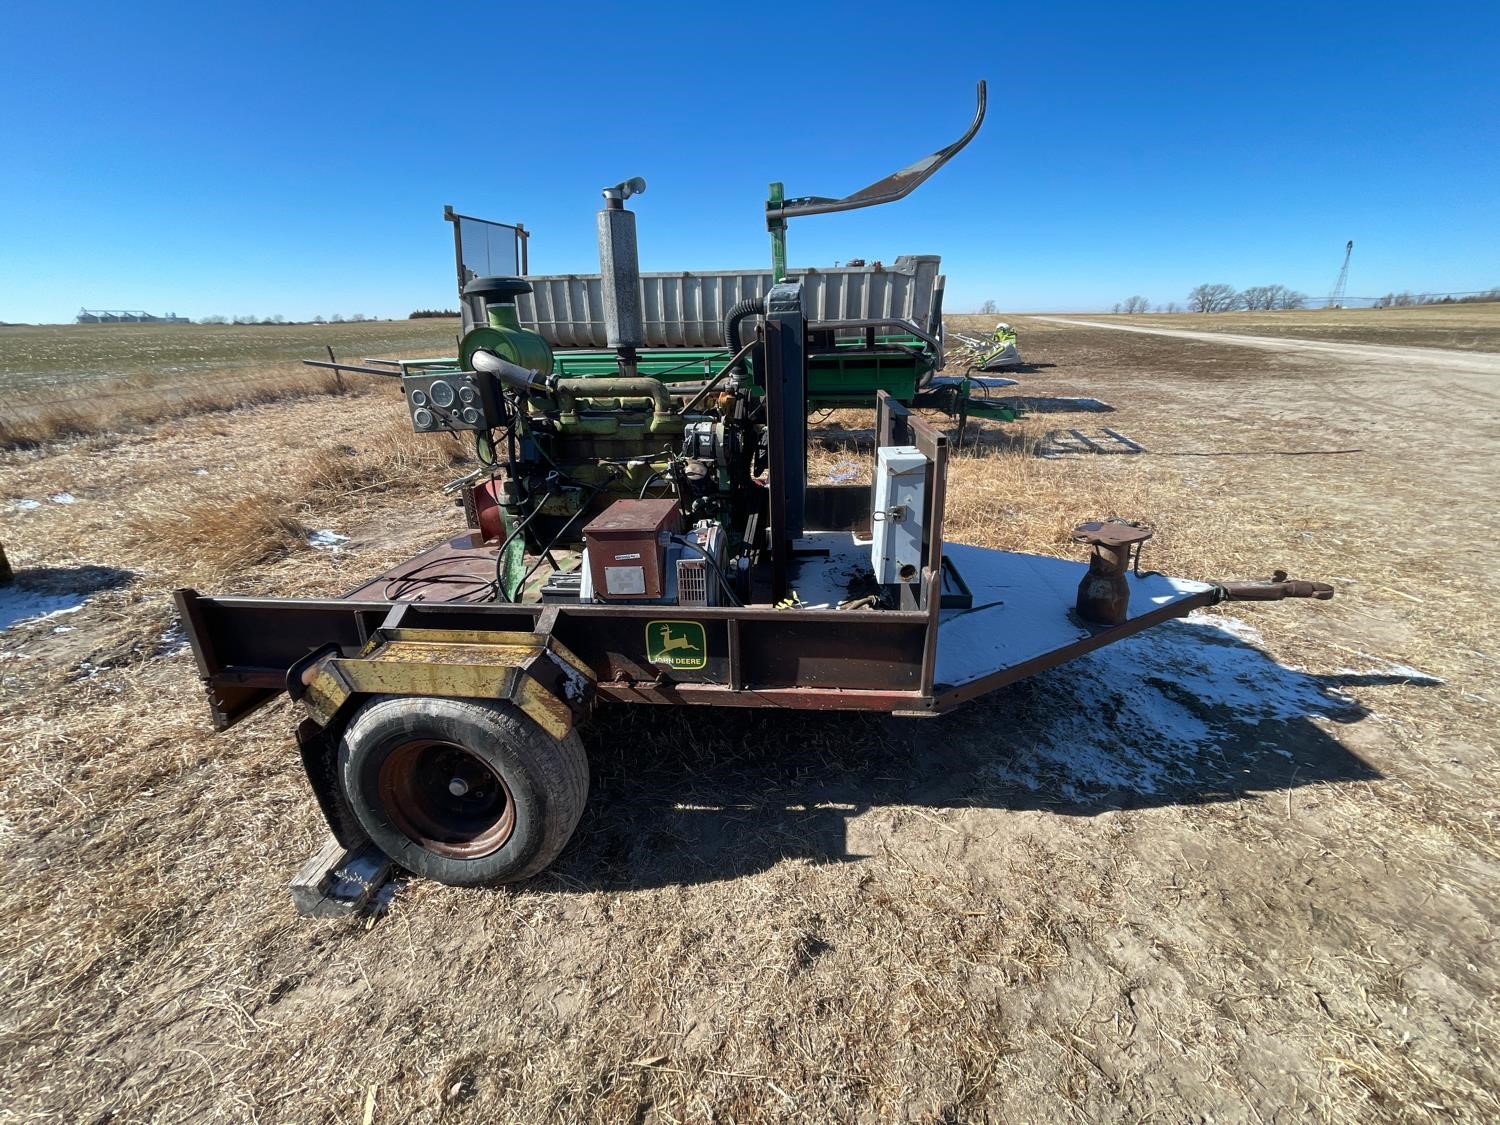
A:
200, 472
1143, 714
25, 505
173, 641
326, 540
21, 607
63, 498
63, 629
88, 670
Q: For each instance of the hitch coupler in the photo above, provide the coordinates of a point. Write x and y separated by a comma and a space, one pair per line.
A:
1273, 591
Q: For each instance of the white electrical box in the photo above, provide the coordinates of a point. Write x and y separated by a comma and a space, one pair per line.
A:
896, 521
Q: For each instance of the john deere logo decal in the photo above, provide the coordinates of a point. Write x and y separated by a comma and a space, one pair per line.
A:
677, 644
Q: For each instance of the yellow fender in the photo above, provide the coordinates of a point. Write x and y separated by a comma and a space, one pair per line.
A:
531, 670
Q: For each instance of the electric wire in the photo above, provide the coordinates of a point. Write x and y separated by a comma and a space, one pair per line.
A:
719, 574
652, 479
512, 595
500, 592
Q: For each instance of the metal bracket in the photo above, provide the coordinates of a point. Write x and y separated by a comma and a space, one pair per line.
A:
898, 185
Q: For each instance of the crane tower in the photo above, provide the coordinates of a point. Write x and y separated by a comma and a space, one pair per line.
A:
1336, 296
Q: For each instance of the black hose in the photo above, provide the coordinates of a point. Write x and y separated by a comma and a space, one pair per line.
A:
719, 574
750, 306
501, 593
513, 595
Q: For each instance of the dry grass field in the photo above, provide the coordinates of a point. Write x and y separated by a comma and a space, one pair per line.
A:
1242, 868
1472, 327
71, 380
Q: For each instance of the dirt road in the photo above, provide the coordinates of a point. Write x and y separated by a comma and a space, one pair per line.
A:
1388, 356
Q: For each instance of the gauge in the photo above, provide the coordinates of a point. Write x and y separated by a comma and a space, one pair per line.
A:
419, 398
467, 394
441, 392
422, 418
470, 416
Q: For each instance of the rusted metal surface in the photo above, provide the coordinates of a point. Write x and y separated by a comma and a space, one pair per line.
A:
1280, 586
533, 671
1103, 593
442, 643
625, 550
246, 647
461, 569
447, 799
792, 699
1111, 534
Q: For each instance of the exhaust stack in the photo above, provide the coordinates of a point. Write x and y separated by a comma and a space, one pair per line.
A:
620, 272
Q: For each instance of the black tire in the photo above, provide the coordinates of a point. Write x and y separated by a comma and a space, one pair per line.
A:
462, 791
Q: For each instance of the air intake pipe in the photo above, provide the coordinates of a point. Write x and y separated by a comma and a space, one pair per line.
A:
567, 391
513, 375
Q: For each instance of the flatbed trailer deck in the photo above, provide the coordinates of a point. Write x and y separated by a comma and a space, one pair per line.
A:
909, 662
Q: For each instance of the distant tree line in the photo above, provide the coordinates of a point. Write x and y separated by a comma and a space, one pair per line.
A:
432, 314
1213, 298
1225, 298
336, 318
1408, 299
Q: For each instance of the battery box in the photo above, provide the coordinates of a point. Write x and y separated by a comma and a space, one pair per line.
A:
626, 547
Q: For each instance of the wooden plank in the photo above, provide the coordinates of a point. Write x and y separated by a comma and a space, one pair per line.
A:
339, 881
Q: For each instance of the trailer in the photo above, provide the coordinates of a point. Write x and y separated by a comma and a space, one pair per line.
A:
628, 545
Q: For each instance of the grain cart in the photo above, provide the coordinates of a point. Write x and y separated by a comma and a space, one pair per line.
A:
626, 545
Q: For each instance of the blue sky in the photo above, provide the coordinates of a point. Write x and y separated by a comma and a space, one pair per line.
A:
294, 159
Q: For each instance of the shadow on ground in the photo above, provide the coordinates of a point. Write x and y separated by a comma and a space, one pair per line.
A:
1013, 369
1190, 713
1032, 404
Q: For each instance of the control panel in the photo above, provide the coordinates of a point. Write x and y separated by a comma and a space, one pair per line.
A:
451, 400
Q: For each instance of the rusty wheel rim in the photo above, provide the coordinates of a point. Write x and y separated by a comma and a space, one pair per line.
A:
446, 799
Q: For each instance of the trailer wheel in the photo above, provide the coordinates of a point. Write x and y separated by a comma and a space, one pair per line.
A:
462, 791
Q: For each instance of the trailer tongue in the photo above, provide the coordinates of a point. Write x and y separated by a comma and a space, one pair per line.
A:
631, 542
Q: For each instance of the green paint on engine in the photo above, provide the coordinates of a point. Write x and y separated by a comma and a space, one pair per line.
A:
504, 336
847, 375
